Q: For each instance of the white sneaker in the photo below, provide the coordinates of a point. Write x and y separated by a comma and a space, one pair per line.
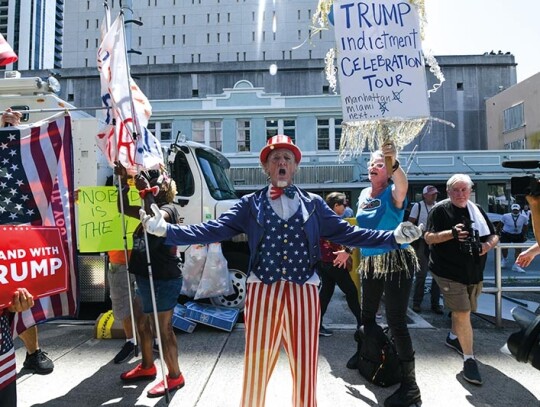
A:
518, 269
503, 262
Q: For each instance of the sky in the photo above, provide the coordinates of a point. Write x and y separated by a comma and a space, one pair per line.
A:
472, 27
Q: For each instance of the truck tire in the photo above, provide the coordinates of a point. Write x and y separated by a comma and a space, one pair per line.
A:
238, 264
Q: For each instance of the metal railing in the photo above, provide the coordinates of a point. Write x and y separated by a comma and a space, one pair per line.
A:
499, 288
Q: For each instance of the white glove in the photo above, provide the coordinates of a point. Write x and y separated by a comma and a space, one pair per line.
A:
155, 225
407, 232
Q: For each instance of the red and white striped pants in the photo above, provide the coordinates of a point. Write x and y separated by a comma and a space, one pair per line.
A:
278, 314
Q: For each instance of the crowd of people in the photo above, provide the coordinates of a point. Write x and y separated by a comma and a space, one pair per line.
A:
300, 249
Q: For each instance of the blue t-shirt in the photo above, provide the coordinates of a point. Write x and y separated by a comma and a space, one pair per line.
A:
378, 213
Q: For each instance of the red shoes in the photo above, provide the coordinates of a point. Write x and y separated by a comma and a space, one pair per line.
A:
173, 384
138, 373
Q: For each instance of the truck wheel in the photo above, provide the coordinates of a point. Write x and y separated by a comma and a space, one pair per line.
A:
237, 263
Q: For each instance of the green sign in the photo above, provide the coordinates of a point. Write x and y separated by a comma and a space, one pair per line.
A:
100, 223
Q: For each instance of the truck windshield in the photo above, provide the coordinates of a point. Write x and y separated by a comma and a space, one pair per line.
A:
219, 184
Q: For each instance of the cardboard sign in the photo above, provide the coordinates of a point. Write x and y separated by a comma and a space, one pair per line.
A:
31, 258
380, 63
99, 223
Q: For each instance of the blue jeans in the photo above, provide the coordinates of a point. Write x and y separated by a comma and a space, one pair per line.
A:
166, 292
396, 287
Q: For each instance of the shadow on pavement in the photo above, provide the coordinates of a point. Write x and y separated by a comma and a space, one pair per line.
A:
95, 391
492, 394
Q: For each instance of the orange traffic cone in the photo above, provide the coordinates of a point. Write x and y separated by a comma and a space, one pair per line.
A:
7, 55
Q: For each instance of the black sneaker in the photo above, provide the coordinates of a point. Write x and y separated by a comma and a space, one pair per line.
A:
39, 362
471, 373
454, 344
127, 351
352, 363
325, 332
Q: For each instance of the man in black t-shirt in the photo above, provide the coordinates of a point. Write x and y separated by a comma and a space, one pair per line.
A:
460, 235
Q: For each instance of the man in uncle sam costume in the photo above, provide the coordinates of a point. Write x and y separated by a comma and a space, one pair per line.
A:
284, 225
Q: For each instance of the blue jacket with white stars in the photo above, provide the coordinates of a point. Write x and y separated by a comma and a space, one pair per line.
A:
247, 216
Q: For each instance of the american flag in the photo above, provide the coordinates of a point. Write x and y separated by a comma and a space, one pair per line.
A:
8, 372
124, 136
36, 187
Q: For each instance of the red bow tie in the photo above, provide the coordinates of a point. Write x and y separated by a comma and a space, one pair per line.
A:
276, 192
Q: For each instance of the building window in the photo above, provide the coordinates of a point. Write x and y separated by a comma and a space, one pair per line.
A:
289, 128
328, 134
174, 20
281, 126
272, 127
208, 18
163, 20
207, 132
514, 118
215, 134
162, 130
162, 40
87, 24
228, 17
243, 135
183, 39
228, 37
197, 131
323, 134
218, 17
217, 37
174, 39
337, 133
208, 38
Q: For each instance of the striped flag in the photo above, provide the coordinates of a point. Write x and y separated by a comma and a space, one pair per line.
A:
124, 137
8, 372
36, 188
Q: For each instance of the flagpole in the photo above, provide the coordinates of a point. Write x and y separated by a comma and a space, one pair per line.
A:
124, 231
137, 132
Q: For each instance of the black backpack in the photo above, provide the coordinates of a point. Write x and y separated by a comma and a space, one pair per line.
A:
377, 356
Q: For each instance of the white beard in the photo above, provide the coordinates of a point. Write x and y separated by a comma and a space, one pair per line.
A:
282, 184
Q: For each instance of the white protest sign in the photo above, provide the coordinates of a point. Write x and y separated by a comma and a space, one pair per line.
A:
379, 59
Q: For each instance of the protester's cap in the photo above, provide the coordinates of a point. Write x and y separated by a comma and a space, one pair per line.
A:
515, 207
280, 141
429, 189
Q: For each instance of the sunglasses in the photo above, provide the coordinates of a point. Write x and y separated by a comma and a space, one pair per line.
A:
379, 166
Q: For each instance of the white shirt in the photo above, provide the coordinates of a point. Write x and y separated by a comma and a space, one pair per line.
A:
514, 223
424, 210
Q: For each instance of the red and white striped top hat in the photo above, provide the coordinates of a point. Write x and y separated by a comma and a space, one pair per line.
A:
280, 141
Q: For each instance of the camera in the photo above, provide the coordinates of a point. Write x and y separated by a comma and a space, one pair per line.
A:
526, 185
472, 244
524, 345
